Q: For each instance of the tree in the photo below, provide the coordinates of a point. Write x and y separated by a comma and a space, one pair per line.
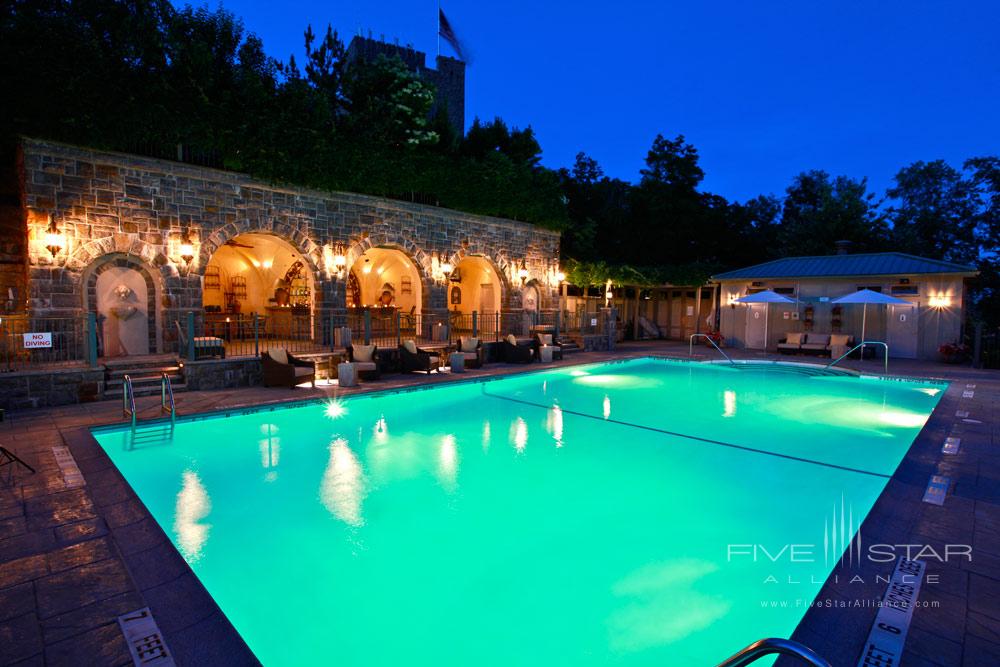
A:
934, 213
820, 210
388, 105
672, 163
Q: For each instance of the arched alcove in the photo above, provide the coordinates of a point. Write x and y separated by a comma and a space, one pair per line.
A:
385, 279
260, 275
123, 292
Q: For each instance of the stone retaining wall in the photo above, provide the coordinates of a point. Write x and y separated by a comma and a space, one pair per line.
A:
36, 389
112, 206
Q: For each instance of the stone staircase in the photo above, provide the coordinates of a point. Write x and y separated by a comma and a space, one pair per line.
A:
145, 374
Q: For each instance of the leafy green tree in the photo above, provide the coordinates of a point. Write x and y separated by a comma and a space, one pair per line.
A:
934, 212
388, 105
672, 163
820, 210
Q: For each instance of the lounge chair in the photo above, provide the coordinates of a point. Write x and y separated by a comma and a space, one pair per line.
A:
517, 353
365, 359
548, 340
792, 343
472, 350
283, 370
412, 358
816, 343
204, 346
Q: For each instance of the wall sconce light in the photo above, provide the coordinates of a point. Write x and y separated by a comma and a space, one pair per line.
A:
446, 268
187, 248
522, 273
560, 277
940, 301
731, 300
339, 259
55, 240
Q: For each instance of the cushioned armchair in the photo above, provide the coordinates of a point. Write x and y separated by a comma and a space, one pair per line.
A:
283, 370
517, 353
548, 340
473, 351
365, 359
412, 358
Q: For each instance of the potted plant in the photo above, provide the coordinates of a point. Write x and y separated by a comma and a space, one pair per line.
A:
953, 353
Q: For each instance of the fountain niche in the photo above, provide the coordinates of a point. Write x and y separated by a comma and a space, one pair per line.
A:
122, 304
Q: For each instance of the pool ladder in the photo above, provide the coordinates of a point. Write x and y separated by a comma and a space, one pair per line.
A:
709, 339
166, 399
773, 646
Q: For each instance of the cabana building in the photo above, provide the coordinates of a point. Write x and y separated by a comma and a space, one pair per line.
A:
935, 292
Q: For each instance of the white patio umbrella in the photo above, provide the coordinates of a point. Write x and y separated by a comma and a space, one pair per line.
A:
867, 296
766, 297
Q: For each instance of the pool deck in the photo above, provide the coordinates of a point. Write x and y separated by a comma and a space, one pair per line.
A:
77, 552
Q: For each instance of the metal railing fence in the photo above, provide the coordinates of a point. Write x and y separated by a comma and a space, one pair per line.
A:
27, 341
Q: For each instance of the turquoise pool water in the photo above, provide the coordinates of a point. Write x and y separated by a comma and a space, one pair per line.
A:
580, 516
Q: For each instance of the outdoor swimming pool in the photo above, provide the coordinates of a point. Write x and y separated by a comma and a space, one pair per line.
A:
586, 515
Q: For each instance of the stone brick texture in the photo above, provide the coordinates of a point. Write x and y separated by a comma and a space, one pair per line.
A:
112, 206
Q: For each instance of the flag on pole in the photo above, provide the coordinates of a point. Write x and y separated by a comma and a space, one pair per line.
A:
445, 30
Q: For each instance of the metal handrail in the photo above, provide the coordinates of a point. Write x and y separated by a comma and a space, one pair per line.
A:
862, 344
128, 399
167, 394
709, 339
772, 646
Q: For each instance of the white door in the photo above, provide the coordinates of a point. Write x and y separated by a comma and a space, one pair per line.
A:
901, 331
756, 314
486, 303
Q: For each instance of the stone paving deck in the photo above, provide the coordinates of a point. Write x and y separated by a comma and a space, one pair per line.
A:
75, 557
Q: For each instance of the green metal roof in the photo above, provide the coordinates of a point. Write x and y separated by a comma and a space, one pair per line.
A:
862, 264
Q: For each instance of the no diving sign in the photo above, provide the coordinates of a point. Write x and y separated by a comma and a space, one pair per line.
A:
34, 341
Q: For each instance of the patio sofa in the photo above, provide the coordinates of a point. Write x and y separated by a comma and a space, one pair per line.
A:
412, 358
822, 344
283, 370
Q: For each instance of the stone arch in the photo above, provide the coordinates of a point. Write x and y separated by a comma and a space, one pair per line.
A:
421, 260
497, 262
311, 252
128, 245
154, 290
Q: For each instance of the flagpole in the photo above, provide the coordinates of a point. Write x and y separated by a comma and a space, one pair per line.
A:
439, 28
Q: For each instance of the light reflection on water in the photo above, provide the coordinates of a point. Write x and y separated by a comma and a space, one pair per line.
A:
342, 489
193, 505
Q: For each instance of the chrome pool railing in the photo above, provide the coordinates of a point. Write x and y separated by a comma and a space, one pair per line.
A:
861, 345
128, 400
709, 339
167, 397
772, 646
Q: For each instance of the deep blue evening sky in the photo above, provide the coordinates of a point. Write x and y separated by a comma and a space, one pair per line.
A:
763, 89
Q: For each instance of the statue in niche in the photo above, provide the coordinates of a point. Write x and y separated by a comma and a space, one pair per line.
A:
123, 309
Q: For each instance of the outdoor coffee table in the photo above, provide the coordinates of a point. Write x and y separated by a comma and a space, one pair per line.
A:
545, 354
